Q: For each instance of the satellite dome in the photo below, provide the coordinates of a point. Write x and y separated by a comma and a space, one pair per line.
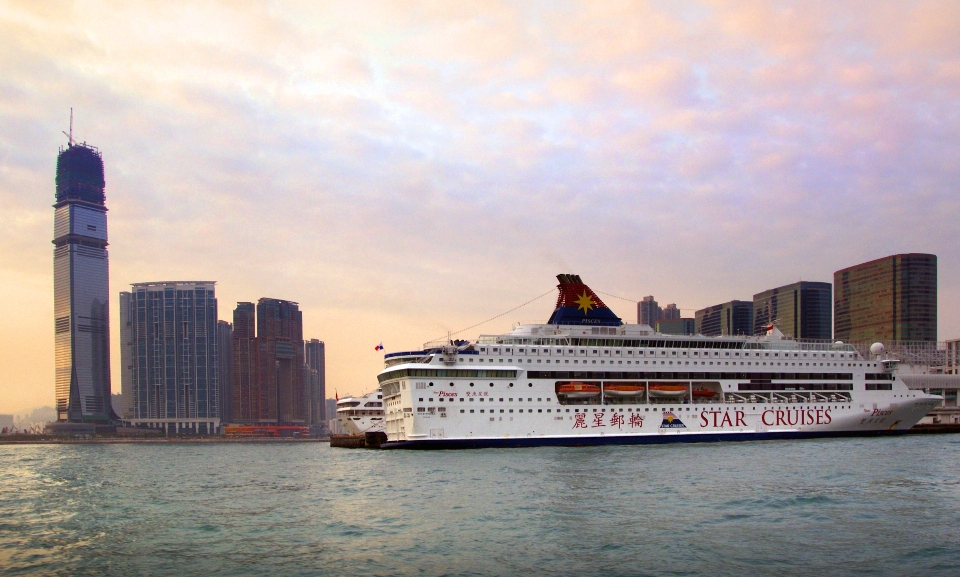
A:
876, 348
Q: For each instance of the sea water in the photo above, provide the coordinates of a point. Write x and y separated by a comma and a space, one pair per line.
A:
872, 506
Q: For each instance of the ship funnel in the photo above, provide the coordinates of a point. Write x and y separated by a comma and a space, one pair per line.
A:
578, 305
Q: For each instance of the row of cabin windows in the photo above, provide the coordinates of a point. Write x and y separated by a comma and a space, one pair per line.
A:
490, 399
651, 352
630, 410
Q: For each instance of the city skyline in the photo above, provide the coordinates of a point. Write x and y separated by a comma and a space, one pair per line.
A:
406, 171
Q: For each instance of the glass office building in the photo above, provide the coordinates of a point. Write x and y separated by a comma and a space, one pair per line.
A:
889, 299
172, 355
803, 310
81, 289
731, 318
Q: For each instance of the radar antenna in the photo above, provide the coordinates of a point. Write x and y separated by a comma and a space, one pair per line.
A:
70, 136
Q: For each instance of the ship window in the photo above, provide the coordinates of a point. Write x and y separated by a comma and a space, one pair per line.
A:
471, 410
511, 410
421, 399
461, 400
529, 384
520, 411
511, 384
538, 400
539, 410
472, 399
481, 410
511, 400
529, 400
568, 410
491, 384
471, 384
451, 384
461, 410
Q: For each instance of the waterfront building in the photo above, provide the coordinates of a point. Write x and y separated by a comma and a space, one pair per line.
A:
670, 312
678, 326
225, 369
802, 310
172, 355
951, 365
280, 337
648, 311
889, 299
730, 318
330, 409
246, 355
315, 355
81, 288
126, 361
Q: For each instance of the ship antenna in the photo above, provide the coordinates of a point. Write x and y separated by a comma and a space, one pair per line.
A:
70, 136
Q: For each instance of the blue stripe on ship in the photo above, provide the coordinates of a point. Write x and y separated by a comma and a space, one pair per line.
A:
625, 439
597, 317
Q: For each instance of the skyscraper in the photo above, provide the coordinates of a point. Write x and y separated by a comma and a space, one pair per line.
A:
225, 369
172, 353
81, 288
670, 312
889, 299
280, 338
648, 311
804, 310
246, 355
316, 360
730, 318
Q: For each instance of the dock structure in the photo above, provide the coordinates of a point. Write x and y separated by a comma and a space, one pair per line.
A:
364, 441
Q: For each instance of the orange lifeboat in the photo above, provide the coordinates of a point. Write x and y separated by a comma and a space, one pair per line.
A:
704, 394
623, 389
667, 390
578, 390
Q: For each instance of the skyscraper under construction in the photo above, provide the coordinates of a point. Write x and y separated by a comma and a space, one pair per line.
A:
81, 287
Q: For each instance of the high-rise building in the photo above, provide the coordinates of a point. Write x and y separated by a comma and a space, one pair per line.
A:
246, 361
315, 355
803, 310
648, 311
225, 369
730, 318
126, 360
670, 312
172, 355
889, 299
280, 337
678, 326
81, 288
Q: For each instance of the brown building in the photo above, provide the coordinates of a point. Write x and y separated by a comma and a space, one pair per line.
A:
889, 299
245, 361
280, 338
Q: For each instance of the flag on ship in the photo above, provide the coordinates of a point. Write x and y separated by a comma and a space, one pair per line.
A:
378, 347
578, 305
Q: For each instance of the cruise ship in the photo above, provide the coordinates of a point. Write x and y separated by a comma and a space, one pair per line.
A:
587, 378
361, 415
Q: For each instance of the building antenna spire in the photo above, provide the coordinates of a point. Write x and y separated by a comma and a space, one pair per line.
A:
70, 136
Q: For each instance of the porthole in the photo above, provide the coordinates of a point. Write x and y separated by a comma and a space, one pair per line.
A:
530, 384
451, 384
491, 384
431, 384
511, 384
471, 384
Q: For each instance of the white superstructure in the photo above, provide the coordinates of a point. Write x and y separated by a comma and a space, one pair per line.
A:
570, 384
359, 415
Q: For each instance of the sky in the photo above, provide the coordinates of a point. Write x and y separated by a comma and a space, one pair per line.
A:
405, 169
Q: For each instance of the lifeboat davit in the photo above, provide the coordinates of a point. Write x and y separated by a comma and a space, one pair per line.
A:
578, 390
667, 391
623, 390
704, 394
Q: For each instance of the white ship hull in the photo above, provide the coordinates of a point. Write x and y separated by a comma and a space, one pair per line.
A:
360, 415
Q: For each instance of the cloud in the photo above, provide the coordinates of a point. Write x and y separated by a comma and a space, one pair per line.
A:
403, 170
